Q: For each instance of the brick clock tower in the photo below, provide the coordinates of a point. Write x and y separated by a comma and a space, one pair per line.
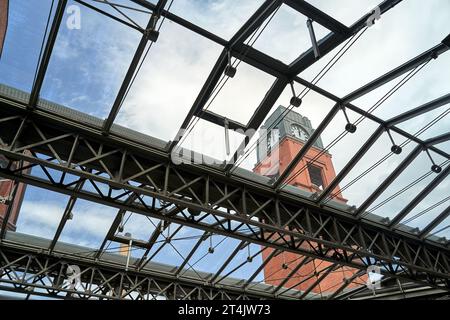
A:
3, 22
283, 144
9, 197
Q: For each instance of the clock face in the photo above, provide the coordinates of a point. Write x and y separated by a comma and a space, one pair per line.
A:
299, 132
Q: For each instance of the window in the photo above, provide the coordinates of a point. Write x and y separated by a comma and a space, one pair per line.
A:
272, 138
299, 132
315, 175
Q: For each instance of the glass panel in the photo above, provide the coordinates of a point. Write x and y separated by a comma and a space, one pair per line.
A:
346, 11
374, 167
41, 212
248, 266
442, 230
88, 66
232, 102
168, 82
430, 124
221, 17
400, 35
413, 180
207, 260
413, 93
286, 36
89, 224
129, 12
430, 207
25, 31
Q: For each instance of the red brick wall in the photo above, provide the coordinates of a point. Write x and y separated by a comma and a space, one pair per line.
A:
6, 188
273, 271
3, 22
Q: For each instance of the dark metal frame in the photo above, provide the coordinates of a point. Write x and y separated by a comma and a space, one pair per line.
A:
277, 217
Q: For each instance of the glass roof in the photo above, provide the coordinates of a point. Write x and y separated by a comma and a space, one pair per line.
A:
191, 87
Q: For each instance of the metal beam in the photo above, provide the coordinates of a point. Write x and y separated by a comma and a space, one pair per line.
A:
319, 280
67, 212
132, 68
126, 23
100, 279
438, 139
346, 283
333, 40
304, 261
318, 16
43, 64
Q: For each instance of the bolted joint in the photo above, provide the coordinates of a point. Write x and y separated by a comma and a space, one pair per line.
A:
436, 168
296, 101
350, 127
230, 71
151, 34
396, 149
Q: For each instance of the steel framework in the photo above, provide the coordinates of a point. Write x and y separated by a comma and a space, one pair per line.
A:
99, 161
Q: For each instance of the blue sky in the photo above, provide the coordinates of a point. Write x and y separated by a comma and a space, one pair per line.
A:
89, 64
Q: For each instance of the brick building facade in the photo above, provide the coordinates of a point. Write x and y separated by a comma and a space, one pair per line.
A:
283, 144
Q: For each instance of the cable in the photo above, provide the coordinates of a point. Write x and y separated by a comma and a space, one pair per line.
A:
123, 14
421, 213
440, 230
123, 6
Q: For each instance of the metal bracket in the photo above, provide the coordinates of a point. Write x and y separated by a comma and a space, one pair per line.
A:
312, 35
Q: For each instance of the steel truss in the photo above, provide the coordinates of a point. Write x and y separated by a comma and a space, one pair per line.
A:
96, 161
216, 203
34, 273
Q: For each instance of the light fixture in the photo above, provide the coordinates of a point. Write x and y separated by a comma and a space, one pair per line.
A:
395, 148
435, 168
295, 101
229, 71
349, 127
3, 162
